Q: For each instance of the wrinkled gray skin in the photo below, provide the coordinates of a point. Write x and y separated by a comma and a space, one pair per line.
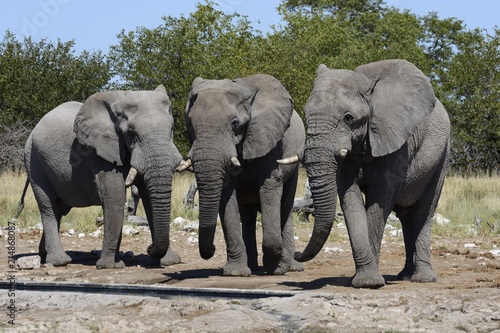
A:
396, 135
79, 155
253, 119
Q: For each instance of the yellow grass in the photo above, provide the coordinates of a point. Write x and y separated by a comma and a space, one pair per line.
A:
467, 202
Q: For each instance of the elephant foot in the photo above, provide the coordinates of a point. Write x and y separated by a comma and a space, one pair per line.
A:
171, 258
233, 269
296, 266
424, 275
368, 279
57, 259
109, 263
406, 273
275, 265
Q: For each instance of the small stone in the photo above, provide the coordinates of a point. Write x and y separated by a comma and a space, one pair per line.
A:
29, 262
96, 233
495, 252
71, 232
397, 233
81, 235
332, 250
192, 240
129, 230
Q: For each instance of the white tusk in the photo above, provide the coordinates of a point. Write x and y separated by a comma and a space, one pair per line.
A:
235, 161
289, 160
184, 165
343, 152
131, 176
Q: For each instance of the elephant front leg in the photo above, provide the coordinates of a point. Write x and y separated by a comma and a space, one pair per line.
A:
367, 273
112, 193
248, 224
272, 243
236, 264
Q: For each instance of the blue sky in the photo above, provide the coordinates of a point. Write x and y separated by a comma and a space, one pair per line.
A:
94, 24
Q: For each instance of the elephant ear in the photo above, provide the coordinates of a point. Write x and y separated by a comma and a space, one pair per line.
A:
271, 109
95, 127
401, 98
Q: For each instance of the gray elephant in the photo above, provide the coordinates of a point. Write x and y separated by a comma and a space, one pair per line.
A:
80, 155
379, 137
239, 129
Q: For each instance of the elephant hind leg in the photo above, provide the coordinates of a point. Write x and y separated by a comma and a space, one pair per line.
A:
417, 223
50, 249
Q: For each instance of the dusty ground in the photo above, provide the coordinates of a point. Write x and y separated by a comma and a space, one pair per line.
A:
465, 299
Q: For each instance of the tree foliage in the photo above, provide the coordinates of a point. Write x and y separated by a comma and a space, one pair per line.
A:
37, 76
208, 43
463, 65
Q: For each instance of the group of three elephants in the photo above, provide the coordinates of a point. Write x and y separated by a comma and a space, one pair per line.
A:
377, 137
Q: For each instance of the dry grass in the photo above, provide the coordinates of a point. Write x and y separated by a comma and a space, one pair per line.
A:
472, 204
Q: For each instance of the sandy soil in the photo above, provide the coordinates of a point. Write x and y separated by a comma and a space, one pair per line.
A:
465, 299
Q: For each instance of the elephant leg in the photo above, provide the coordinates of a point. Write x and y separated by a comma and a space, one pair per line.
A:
417, 223
272, 242
170, 258
248, 223
237, 262
287, 232
50, 249
351, 200
112, 193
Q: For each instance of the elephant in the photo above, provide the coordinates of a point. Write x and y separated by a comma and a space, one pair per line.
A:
81, 155
379, 138
238, 130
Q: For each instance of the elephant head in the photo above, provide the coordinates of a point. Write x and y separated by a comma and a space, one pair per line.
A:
134, 129
358, 115
230, 122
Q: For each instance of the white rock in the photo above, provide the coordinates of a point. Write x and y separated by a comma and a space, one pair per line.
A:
96, 233
440, 219
81, 235
392, 218
332, 250
469, 245
71, 232
397, 233
390, 227
29, 262
179, 221
495, 252
192, 240
129, 230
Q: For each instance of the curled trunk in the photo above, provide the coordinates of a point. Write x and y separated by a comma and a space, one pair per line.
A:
321, 171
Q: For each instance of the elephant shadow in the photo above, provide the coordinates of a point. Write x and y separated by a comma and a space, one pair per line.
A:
202, 273
90, 258
338, 281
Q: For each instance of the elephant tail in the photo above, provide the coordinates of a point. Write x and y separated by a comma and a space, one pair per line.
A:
21, 202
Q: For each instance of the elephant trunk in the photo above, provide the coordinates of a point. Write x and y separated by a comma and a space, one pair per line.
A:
160, 193
321, 171
158, 186
210, 176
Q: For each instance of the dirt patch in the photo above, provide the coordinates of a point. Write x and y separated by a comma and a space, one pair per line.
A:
465, 298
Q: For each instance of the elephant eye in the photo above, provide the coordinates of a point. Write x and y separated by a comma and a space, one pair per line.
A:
348, 118
235, 123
